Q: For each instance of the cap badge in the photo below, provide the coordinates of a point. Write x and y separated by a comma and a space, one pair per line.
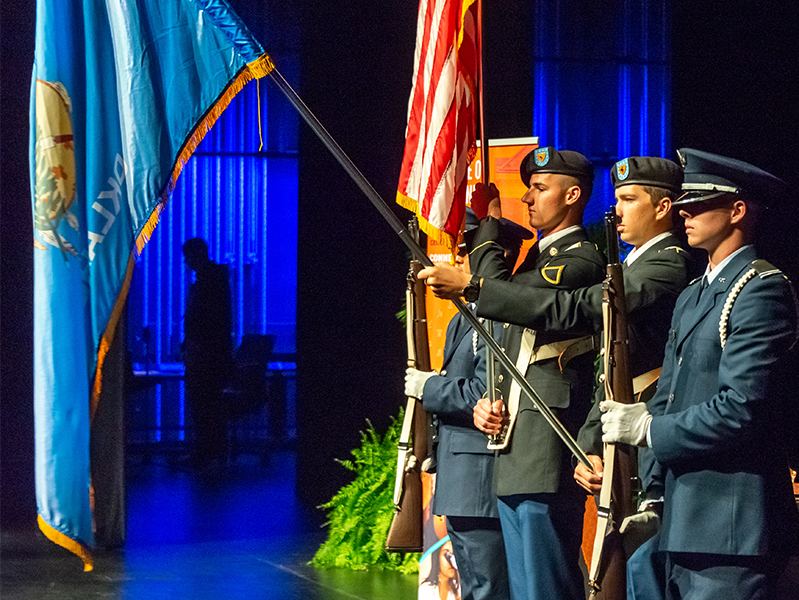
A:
542, 156
622, 169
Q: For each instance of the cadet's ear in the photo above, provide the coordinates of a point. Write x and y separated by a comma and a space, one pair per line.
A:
663, 209
738, 211
574, 194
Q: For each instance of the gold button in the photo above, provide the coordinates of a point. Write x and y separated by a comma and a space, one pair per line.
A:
553, 251
500, 378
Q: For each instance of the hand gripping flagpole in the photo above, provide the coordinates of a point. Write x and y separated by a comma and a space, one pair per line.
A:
421, 256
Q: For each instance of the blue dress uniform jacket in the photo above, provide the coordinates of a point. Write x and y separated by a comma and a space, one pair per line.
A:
465, 466
536, 460
717, 415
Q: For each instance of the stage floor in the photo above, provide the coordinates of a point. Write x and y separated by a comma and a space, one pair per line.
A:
237, 535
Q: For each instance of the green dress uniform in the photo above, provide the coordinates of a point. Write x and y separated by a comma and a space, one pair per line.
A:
540, 504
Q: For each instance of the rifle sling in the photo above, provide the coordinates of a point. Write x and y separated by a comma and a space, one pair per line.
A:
642, 382
529, 354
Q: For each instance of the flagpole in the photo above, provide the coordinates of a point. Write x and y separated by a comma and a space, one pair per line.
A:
483, 140
421, 256
489, 325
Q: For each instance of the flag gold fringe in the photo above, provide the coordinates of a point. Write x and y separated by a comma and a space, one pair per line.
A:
428, 228
55, 536
256, 69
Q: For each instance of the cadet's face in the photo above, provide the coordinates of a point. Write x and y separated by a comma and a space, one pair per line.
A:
546, 200
637, 216
707, 224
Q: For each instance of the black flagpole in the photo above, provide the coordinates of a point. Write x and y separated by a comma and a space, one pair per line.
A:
421, 256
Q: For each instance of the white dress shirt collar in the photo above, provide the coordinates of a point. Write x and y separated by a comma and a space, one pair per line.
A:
636, 252
547, 241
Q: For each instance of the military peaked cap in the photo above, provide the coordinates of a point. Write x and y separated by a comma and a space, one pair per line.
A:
709, 175
563, 162
647, 170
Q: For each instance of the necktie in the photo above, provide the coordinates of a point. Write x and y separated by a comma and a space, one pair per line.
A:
702, 287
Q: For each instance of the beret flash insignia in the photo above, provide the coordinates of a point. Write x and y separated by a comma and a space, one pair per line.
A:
622, 169
542, 156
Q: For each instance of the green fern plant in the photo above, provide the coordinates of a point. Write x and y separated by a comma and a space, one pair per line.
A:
360, 512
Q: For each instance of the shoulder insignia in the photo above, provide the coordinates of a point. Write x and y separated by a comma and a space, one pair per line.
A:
552, 274
693, 281
553, 251
764, 268
677, 248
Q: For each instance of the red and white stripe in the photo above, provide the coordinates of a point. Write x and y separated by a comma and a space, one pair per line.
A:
440, 138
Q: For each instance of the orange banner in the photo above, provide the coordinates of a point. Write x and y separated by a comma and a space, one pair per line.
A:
505, 158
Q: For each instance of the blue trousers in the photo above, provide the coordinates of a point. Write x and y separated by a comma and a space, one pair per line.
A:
646, 572
716, 576
480, 555
543, 534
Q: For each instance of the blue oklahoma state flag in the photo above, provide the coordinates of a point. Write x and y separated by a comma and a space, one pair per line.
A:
122, 92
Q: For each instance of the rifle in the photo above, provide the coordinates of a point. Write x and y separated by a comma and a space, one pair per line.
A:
608, 574
405, 533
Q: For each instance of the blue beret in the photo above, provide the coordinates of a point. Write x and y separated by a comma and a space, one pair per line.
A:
647, 170
709, 175
563, 162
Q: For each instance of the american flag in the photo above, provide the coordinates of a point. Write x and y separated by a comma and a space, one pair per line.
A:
442, 111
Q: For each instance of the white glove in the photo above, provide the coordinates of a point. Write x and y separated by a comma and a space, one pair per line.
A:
415, 380
644, 523
625, 423
639, 527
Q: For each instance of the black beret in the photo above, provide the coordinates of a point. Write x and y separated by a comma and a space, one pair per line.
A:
710, 175
512, 234
647, 170
563, 162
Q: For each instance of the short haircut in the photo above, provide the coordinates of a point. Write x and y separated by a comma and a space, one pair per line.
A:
586, 187
656, 194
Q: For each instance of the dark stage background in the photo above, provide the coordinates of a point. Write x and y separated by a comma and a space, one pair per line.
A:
733, 93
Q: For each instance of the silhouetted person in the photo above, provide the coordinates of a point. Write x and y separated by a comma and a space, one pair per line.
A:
206, 353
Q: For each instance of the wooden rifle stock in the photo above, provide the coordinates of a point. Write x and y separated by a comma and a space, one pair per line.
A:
405, 532
608, 572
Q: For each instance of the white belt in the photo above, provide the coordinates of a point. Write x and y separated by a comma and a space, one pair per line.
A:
565, 350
